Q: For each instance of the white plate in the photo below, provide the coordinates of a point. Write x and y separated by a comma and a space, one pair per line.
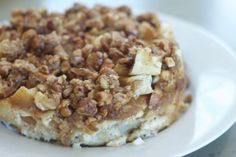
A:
211, 68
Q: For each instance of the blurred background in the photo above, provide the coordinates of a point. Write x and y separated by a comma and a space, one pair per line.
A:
217, 16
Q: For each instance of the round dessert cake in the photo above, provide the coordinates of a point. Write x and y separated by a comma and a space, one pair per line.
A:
90, 76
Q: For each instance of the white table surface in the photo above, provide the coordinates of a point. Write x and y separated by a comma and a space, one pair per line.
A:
217, 16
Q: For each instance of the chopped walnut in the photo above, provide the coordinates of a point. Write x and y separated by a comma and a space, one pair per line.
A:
108, 63
121, 98
188, 99
170, 62
151, 18
67, 91
103, 81
165, 75
94, 60
115, 54
164, 45
103, 98
107, 82
37, 45
147, 32
43, 102
5, 68
53, 63
65, 112
76, 58
65, 66
87, 107
122, 69
27, 37
103, 111
60, 51
83, 72
11, 49
24, 66
12, 82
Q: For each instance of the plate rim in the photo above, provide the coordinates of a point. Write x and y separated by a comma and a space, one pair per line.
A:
215, 38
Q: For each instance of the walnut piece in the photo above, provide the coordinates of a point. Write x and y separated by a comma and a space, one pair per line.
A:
103, 98
44, 103
11, 49
170, 62
65, 111
147, 32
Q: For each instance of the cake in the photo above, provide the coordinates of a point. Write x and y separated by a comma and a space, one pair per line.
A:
95, 76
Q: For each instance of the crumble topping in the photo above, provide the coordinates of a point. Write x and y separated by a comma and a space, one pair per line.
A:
88, 64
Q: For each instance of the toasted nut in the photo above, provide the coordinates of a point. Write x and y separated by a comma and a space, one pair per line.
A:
147, 32
117, 106
11, 49
87, 107
65, 112
5, 68
120, 98
104, 82
67, 91
92, 127
122, 69
107, 64
64, 103
103, 111
188, 99
170, 62
165, 75
108, 80
103, 98
94, 60
43, 102
90, 120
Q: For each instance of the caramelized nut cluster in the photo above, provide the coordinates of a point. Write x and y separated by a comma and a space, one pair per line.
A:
88, 64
